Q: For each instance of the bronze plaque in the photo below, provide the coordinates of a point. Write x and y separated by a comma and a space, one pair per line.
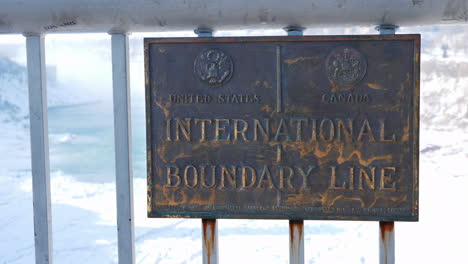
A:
316, 127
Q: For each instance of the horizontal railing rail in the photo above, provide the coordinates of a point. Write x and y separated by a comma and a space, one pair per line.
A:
150, 16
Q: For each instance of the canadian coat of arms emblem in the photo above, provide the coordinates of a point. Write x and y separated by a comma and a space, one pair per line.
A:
213, 67
345, 67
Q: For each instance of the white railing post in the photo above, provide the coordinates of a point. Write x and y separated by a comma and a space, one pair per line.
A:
123, 148
39, 148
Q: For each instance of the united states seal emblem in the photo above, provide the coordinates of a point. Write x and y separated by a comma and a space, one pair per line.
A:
345, 67
213, 67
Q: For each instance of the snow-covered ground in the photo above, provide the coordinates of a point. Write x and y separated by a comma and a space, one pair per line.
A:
84, 224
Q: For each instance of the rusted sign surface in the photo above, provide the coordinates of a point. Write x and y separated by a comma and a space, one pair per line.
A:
283, 127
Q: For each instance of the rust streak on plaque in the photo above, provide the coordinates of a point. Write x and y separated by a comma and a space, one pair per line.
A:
305, 148
342, 197
299, 59
163, 107
364, 162
406, 131
375, 86
266, 108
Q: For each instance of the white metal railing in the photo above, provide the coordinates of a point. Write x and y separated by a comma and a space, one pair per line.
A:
40, 148
149, 16
123, 162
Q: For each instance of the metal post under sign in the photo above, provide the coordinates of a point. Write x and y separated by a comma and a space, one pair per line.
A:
210, 241
209, 226
387, 242
387, 229
296, 227
296, 241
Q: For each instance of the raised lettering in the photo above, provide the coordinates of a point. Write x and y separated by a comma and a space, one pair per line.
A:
387, 178
265, 178
305, 175
195, 176
370, 180
347, 131
331, 130
172, 174
238, 131
382, 134
168, 130
219, 130
285, 177
282, 131
265, 130
314, 129
299, 122
184, 127
231, 176
253, 177
333, 180
203, 123
213, 177
366, 131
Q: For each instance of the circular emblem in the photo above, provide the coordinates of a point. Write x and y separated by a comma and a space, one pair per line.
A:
345, 67
213, 67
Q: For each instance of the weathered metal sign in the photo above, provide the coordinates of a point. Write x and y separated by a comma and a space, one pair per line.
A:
283, 127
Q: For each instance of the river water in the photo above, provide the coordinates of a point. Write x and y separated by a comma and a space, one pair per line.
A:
82, 141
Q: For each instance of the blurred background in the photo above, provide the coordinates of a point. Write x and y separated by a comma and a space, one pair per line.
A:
82, 164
